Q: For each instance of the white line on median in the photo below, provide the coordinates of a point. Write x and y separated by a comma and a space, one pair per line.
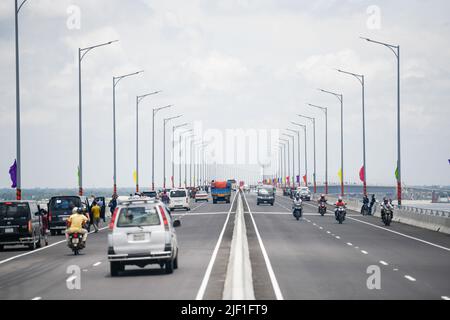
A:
410, 278
40, 249
273, 279
202, 289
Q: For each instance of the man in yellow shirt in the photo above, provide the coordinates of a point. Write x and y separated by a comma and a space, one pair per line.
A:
95, 211
76, 222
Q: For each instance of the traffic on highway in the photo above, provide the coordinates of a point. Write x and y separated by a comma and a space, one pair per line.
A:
219, 155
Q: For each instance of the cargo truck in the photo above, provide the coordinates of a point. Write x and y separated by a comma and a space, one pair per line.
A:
221, 191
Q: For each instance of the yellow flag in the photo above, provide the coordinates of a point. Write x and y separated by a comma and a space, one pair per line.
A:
340, 175
135, 176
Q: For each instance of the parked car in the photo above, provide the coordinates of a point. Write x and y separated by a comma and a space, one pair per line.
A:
20, 224
179, 199
201, 196
60, 209
142, 233
265, 195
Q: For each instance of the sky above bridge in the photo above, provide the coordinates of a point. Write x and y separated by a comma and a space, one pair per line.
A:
228, 64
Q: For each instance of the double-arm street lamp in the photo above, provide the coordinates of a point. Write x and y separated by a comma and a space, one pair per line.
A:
116, 81
166, 120
360, 78
314, 145
341, 99
155, 111
81, 53
325, 110
396, 51
306, 150
138, 100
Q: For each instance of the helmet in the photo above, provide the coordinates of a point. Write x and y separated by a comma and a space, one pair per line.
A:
340, 198
322, 195
74, 210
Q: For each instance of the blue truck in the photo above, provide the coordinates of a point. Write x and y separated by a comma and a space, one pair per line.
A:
221, 191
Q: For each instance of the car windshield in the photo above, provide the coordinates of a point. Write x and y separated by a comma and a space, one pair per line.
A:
138, 217
64, 203
177, 194
14, 210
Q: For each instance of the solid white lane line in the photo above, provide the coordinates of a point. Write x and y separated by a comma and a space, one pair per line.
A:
273, 279
97, 264
202, 289
40, 249
349, 243
410, 278
384, 263
403, 235
445, 298
36, 298
365, 252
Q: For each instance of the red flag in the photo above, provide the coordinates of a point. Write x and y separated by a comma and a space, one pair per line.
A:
361, 173
304, 179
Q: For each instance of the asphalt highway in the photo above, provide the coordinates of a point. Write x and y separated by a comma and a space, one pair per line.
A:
314, 258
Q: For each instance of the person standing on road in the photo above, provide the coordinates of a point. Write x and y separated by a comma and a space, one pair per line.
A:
372, 203
44, 219
113, 204
95, 212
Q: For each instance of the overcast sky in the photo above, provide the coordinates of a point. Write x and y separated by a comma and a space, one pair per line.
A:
231, 64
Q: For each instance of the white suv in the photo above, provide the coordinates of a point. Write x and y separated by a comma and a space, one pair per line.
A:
142, 233
179, 199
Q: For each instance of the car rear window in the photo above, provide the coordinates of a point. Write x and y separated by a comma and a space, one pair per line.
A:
178, 194
138, 217
150, 194
64, 203
14, 210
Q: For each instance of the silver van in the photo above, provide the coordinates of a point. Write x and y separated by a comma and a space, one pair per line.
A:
142, 233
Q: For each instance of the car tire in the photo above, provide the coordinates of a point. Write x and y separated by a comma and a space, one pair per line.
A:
175, 262
271, 204
115, 268
39, 243
169, 266
52, 233
33, 245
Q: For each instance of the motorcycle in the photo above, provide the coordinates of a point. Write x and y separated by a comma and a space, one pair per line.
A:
75, 242
322, 208
365, 209
297, 210
340, 214
387, 216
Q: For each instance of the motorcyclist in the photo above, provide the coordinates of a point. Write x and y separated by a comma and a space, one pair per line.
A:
322, 200
365, 203
386, 205
76, 223
339, 203
297, 200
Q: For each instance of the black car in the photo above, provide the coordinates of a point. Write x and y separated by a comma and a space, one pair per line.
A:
60, 209
265, 195
20, 224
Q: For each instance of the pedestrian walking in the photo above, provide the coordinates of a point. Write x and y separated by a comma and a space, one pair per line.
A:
95, 212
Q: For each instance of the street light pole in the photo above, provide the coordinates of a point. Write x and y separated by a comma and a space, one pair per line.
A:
179, 154
166, 120
341, 99
116, 80
288, 157
17, 8
314, 142
81, 53
155, 111
360, 78
306, 150
298, 153
324, 109
173, 151
293, 156
396, 51
138, 100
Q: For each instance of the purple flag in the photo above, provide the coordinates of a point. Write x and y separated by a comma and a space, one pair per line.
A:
298, 179
13, 174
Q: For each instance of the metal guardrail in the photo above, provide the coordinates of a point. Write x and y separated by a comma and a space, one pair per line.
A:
430, 212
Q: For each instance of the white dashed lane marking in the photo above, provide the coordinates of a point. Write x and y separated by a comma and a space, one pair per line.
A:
365, 252
445, 298
37, 298
384, 263
97, 264
349, 244
410, 278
